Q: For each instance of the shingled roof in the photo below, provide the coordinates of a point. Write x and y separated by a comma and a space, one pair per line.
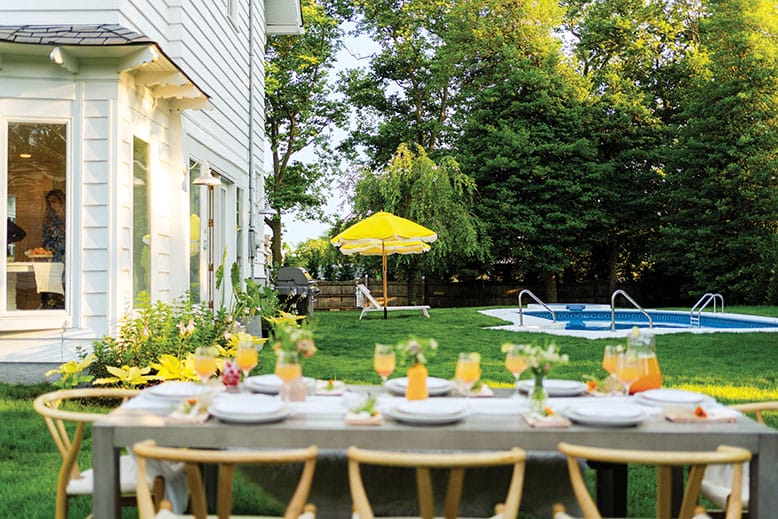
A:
88, 35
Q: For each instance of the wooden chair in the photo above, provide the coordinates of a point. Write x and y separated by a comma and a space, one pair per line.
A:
665, 461
374, 306
423, 463
72, 480
717, 481
226, 460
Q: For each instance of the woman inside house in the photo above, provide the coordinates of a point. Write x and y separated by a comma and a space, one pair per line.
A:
53, 239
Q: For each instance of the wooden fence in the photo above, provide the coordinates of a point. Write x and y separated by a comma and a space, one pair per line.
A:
340, 295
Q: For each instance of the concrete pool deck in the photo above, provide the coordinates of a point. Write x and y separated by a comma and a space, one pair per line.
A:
539, 325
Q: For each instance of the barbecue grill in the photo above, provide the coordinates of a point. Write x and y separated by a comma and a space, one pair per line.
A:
295, 285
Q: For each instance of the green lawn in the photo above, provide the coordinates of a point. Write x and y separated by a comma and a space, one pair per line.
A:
732, 367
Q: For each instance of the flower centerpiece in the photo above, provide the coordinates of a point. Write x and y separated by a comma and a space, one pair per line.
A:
416, 352
541, 360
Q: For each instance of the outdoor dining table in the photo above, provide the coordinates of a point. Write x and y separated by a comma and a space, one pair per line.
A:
480, 430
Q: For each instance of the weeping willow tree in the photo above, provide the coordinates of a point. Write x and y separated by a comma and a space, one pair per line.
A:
437, 195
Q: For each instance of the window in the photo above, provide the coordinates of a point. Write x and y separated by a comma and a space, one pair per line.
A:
195, 231
36, 215
141, 216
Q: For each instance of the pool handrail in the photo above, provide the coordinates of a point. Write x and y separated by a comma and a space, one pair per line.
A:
538, 301
704, 301
613, 309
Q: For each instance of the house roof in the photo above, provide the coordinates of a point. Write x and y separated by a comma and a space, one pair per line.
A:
67, 45
107, 34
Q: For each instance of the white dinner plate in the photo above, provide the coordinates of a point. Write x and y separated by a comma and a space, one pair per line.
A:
671, 397
270, 384
178, 390
438, 407
426, 419
435, 386
246, 404
607, 415
276, 416
555, 386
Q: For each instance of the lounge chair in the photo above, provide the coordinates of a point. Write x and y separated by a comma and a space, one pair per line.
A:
373, 305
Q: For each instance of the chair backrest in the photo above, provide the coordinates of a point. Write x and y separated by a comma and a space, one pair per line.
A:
362, 288
757, 408
226, 460
423, 463
664, 461
60, 407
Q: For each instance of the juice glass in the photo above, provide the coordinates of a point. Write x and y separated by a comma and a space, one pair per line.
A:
205, 362
516, 362
384, 361
247, 358
628, 368
288, 369
468, 370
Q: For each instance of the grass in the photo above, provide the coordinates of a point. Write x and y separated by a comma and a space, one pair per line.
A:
729, 366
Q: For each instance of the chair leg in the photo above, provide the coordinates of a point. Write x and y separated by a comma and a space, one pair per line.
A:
158, 492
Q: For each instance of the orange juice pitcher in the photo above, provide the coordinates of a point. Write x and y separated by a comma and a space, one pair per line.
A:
651, 375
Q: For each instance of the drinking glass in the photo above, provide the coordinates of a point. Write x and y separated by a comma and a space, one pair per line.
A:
516, 362
384, 361
628, 368
609, 357
468, 370
288, 368
205, 362
247, 358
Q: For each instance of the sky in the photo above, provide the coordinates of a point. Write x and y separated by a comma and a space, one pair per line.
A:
353, 54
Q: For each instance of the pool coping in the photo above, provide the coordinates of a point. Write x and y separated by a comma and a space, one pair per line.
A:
539, 325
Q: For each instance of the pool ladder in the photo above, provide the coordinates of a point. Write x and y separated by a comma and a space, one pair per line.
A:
705, 300
538, 301
613, 309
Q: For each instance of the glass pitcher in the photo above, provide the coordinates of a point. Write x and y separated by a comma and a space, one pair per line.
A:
651, 375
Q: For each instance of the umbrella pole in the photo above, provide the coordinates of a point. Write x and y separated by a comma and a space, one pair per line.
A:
383, 262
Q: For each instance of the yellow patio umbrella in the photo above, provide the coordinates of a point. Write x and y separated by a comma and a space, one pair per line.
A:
383, 234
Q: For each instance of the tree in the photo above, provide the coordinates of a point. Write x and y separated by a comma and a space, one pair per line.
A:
300, 111
438, 196
720, 232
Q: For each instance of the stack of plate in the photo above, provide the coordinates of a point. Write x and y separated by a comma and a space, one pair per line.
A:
435, 386
175, 390
271, 384
607, 415
671, 397
555, 387
428, 412
248, 409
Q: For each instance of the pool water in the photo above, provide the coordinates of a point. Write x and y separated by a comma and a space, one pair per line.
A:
596, 320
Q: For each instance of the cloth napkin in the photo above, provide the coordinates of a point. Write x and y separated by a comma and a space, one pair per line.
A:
711, 415
195, 414
364, 419
553, 421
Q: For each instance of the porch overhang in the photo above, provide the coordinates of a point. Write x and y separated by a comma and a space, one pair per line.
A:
72, 47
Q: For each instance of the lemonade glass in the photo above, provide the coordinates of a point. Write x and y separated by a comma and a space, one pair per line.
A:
384, 361
468, 370
516, 362
628, 368
288, 369
247, 357
205, 362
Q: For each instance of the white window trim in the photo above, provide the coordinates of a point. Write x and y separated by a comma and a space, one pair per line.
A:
28, 320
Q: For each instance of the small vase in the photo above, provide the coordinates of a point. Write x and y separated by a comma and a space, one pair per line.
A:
537, 399
417, 383
294, 391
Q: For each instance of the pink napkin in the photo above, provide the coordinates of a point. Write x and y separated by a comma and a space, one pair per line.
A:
717, 415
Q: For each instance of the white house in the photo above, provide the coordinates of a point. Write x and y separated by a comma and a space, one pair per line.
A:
109, 111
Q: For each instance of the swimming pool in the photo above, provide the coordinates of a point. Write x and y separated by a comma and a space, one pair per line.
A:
594, 321
627, 319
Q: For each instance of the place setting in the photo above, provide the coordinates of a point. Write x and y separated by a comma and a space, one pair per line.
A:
248, 408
